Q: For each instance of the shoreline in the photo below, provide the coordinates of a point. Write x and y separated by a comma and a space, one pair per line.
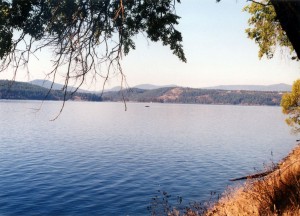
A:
278, 193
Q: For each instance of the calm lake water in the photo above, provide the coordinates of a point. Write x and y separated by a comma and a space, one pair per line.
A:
97, 159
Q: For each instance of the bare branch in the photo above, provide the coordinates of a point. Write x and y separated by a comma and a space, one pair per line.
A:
256, 2
88, 39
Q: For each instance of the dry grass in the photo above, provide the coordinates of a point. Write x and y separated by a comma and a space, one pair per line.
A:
276, 194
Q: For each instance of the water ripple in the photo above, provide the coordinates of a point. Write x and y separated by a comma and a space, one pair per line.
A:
105, 161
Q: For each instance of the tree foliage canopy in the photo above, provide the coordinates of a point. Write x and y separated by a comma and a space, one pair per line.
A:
291, 106
83, 34
86, 36
265, 29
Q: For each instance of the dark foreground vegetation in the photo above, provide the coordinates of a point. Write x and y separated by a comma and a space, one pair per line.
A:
196, 96
26, 91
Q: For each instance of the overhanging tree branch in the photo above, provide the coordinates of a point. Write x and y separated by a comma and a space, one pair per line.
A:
87, 37
256, 2
288, 14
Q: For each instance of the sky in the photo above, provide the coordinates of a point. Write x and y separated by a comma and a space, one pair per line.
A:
217, 49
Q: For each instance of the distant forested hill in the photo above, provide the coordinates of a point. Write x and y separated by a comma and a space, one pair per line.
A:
274, 87
196, 96
54, 86
27, 91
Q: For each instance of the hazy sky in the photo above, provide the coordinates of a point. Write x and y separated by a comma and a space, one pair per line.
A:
217, 50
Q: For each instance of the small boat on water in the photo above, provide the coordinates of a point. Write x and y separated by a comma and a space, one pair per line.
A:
147, 106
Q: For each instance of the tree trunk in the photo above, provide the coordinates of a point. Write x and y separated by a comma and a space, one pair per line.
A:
288, 14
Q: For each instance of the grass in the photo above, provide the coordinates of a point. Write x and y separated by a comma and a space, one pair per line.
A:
278, 193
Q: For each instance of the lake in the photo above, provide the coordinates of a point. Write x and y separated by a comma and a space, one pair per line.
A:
97, 159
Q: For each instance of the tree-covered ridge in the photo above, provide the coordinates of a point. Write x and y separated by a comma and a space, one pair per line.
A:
196, 96
27, 91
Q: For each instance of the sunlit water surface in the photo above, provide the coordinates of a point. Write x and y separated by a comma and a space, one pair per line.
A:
97, 159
